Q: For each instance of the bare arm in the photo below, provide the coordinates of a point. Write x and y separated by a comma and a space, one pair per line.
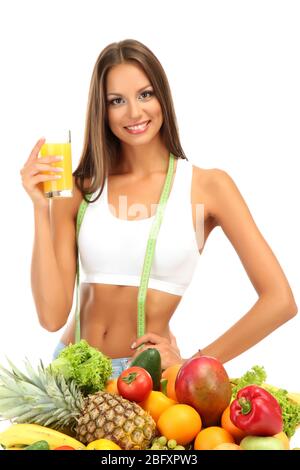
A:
52, 292
53, 267
276, 303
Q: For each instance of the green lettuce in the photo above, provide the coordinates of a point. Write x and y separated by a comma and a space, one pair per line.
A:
255, 376
290, 409
87, 366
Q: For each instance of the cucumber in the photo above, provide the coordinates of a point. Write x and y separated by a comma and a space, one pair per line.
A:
38, 445
151, 361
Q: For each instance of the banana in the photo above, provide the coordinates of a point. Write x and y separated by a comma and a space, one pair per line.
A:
27, 434
295, 397
15, 448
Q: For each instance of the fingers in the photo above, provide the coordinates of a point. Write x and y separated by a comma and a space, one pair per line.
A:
149, 338
143, 348
40, 161
34, 174
41, 178
42, 164
168, 355
37, 167
35, 151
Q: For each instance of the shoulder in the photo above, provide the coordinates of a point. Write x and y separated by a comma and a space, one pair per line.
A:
215, 186
227, 203
211, 178
218, 191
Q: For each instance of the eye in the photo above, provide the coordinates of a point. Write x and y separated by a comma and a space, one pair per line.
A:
112, 101
147, 92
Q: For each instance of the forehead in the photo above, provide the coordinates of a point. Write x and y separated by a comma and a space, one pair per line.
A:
123, 77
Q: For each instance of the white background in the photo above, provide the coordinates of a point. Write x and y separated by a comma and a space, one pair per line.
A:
233, 67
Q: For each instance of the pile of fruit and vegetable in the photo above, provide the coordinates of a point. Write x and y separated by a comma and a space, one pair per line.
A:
72, 404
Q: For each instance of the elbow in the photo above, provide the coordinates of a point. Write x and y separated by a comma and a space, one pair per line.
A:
289, 309
52, 327
282, 305
293, 309
52, 324
53, 317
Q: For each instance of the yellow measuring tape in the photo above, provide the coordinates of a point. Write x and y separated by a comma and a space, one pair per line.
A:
149, 255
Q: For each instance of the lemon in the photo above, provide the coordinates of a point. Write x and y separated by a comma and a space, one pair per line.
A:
103, 444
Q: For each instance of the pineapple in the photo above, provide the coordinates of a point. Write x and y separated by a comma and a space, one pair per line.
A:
47, 399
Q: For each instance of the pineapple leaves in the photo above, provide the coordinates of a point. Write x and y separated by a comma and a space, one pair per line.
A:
39, 397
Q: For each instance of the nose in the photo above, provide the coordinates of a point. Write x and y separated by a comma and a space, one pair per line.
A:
134, 109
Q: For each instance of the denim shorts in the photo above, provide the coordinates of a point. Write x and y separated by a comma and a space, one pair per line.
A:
118, 365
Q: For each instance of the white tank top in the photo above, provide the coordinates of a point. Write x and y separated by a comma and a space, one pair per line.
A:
112, 250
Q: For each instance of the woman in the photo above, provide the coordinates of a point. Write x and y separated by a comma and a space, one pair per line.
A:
130, 133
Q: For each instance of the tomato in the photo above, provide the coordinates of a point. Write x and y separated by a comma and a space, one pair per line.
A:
135, 384
64, 448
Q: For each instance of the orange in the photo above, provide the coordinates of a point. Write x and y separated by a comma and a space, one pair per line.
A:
156, 403
228, 425
227, 446
179, 422
210, 437
111, 386
170, 375
284, 439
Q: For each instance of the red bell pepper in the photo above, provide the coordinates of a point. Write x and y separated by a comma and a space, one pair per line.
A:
256, 412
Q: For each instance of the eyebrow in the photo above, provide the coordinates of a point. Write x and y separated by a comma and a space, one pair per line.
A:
141, 89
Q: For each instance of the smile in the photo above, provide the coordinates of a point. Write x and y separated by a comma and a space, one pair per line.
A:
139, 128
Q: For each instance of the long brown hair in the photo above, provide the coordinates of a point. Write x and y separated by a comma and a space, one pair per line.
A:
101, 147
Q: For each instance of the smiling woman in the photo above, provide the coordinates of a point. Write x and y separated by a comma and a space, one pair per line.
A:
142, 105
132, 151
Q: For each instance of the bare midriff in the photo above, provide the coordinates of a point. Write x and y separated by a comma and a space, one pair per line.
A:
108, 316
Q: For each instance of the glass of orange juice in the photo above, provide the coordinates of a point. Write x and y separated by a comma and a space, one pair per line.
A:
59, 144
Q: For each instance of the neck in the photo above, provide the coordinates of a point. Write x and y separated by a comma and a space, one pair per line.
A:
142, 160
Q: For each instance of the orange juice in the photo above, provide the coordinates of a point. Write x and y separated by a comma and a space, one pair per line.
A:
62, 187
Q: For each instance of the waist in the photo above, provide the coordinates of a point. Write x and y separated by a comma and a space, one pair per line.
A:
112, 310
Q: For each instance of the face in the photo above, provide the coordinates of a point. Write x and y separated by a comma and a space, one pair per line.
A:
131, 101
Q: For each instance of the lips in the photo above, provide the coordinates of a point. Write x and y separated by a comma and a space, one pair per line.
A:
137, 124
138, 130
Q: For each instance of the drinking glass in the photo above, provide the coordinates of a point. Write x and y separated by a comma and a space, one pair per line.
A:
59, 143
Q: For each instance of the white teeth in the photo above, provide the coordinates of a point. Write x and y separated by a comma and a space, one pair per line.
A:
139, 127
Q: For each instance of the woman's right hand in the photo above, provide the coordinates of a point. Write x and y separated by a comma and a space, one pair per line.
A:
33, 175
